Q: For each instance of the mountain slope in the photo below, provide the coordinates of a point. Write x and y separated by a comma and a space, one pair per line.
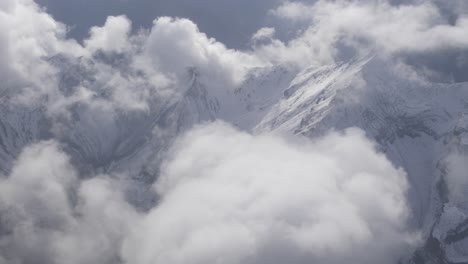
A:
417, 124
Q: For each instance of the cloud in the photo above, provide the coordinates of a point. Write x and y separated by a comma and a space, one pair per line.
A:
244, 199
129, 71
218, 18
7, 4
230, 197
30, 39
293, 11
46, 69
337, 27
112, 37
49, 216
264, 33
32, 219
27, 36
176, 44
114, 69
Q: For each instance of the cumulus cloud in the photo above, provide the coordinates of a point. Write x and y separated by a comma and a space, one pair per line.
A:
131, 69
46, 69
112, 37
293, 11
49, 216
225, 197
337, 27
27, 36
175, 44
114, 68
125, 70
230, 197
264, 33
32, 219
218, 18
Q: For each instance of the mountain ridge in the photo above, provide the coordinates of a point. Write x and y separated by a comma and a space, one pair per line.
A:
417, 125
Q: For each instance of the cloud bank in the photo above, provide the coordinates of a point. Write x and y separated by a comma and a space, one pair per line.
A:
230, 197
114, 68
49, 216
127, 70
333, 29
225, 197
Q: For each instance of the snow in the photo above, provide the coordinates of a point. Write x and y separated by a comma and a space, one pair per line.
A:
416, 124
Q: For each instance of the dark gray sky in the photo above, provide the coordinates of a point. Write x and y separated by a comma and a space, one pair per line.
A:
231, 22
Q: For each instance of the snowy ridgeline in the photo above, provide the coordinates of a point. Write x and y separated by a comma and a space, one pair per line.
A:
420, 126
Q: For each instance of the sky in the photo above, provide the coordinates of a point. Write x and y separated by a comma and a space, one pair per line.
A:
231, 22
234, 22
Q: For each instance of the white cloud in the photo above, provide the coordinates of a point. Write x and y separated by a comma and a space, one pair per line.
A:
123, 70
29, 37
35, 204
176, 44
230, 197
293, 11
365, 26
6, 4
49, 216
31, 41
263, 33
225, 197
112, 37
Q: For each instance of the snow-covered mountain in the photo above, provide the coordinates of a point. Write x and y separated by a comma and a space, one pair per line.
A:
417, 124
